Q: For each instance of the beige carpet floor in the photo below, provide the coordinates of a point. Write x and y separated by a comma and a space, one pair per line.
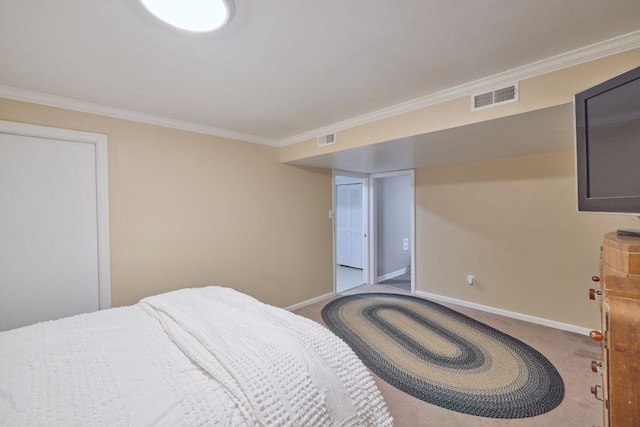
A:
570, 353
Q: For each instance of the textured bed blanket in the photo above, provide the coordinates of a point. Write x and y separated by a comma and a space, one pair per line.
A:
208, 356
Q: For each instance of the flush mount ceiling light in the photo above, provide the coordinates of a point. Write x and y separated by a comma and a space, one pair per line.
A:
191, 15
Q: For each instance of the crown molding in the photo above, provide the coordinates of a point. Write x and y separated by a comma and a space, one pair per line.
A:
103, 110
565, 60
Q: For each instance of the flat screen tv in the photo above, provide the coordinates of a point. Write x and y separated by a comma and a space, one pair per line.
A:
608, 145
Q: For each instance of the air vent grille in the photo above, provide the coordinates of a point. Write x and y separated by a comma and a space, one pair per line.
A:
483, 100
494, 98
326, 140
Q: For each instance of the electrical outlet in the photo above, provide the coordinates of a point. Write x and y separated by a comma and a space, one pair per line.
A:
405, 244
471, 280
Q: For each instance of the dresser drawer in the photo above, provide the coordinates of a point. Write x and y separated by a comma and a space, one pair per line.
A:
621, 254
623, 356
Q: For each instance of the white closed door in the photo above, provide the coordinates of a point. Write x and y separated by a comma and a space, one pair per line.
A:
49, 246
349, 225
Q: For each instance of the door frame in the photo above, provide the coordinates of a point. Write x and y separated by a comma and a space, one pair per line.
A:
365, 223
99, 141
373, 238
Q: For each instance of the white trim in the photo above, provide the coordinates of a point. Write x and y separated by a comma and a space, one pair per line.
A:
578, 56
512, 314
394, 274
103, 110
365, 225
102, 190
564, 60
572, 58
373, 235
310, 301
102, 201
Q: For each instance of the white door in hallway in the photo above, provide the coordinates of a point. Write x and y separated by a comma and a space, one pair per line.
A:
49, 229
349, 225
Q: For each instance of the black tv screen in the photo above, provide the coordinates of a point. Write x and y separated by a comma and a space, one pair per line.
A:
608, 145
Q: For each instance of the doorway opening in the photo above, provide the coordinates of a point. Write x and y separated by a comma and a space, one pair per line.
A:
350, 229
374, 230
392, 205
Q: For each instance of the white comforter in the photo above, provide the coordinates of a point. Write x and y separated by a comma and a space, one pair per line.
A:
209, 356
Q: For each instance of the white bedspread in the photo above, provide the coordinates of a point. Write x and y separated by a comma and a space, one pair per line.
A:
208, 356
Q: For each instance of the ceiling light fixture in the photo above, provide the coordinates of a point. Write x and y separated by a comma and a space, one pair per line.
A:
191, 15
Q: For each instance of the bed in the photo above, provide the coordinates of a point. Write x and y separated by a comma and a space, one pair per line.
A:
205, 356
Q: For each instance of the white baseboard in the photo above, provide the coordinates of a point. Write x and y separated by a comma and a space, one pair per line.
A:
394, 274
514, 315
310, 301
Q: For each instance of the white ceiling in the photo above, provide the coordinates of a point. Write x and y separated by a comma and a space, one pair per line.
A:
281, 68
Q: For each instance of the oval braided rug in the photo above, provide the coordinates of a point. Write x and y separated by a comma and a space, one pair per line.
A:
445, 358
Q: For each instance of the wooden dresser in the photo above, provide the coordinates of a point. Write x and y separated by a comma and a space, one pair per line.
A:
620, 336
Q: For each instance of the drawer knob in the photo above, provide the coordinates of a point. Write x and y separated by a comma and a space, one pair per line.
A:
596, 335
595, 278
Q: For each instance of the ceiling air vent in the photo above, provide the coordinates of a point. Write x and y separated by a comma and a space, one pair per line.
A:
494, 98
326, 140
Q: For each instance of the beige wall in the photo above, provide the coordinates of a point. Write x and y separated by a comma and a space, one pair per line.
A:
189, 209
513, 224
